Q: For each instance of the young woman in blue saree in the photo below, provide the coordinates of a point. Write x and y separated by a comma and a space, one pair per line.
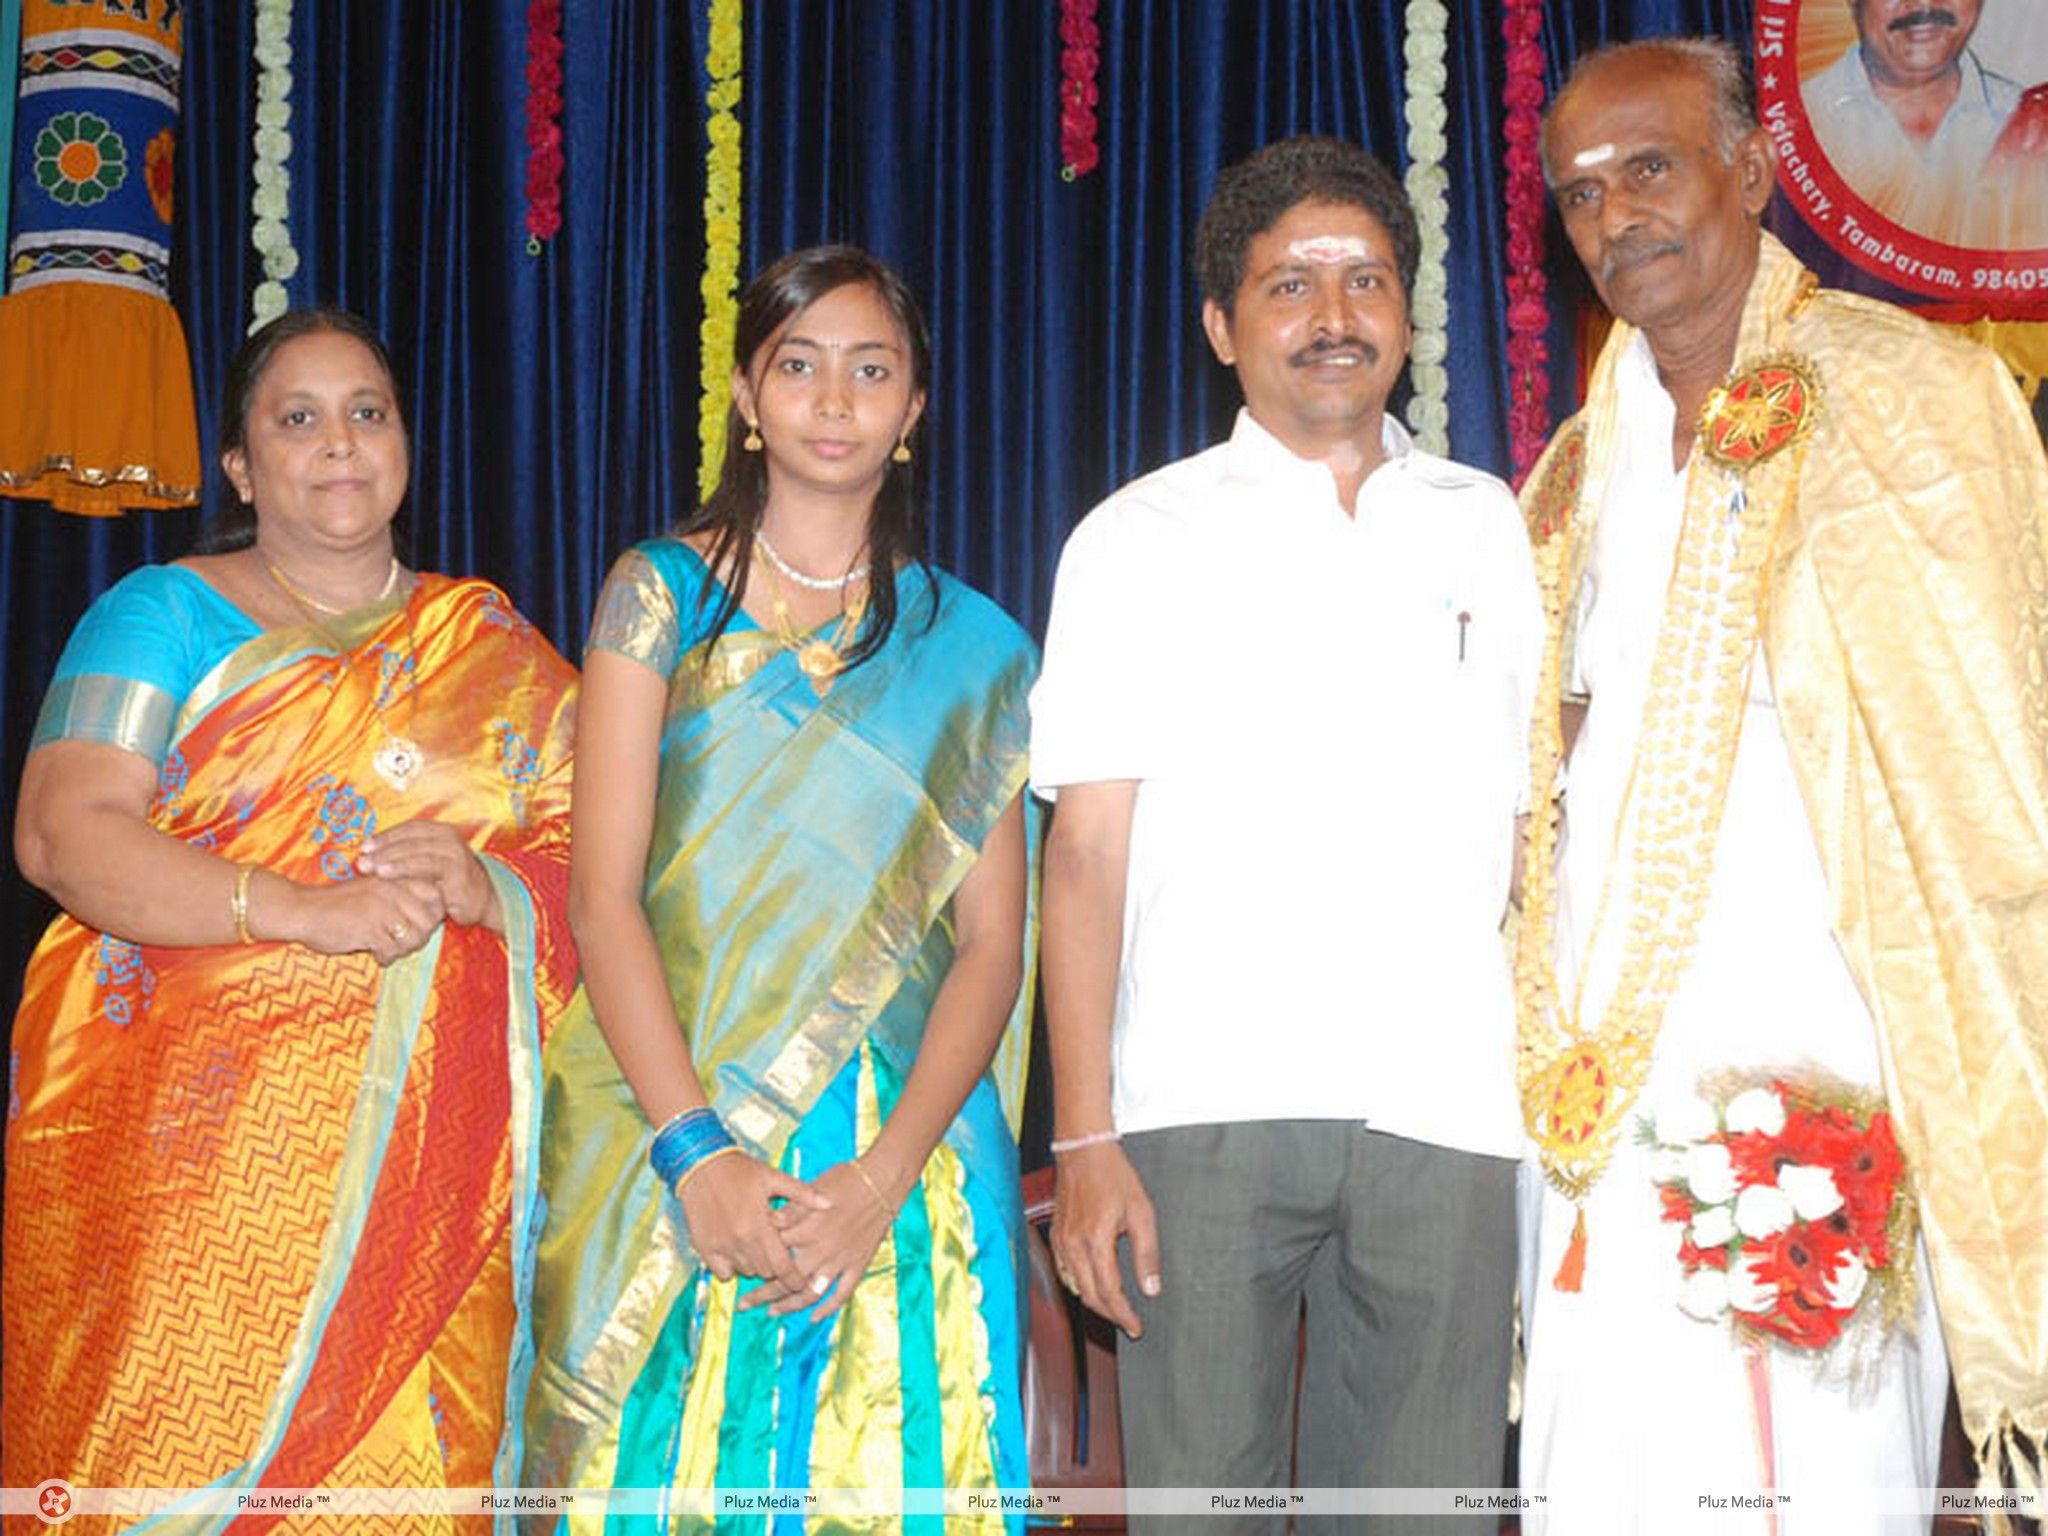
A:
781, 1248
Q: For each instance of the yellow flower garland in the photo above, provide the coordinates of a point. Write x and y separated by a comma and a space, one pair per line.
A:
723, 58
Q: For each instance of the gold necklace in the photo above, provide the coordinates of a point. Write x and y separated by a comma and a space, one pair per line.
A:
399, 760
1577, 1083
306, 600
820, 659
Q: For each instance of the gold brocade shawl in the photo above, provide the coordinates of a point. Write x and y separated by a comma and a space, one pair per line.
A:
1907, 637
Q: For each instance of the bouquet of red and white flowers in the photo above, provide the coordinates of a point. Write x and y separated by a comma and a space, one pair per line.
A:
1794, 1201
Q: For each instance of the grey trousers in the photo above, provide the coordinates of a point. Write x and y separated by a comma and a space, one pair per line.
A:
1404, 1256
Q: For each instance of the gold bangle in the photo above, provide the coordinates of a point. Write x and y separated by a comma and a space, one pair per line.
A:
873, 1188
238, 903
699, 1166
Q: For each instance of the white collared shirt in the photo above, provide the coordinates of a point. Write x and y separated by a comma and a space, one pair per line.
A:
1935, 189
1327, 719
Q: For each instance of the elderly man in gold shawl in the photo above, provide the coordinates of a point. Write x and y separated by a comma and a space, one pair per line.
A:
1783, 965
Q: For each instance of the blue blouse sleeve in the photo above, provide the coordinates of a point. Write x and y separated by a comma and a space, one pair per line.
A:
135, 656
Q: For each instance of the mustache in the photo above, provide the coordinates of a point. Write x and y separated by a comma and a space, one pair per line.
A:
1927, 18
1625, 253
1317, 350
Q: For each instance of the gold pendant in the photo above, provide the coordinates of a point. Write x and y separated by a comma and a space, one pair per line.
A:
819, 661
398, 762
1760, 412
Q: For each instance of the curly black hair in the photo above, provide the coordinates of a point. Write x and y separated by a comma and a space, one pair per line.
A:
1252, 195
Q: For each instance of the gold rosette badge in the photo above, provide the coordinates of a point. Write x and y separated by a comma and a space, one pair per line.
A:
1760, 412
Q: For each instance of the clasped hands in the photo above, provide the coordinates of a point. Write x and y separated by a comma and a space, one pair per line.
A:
812, 1248
422, 873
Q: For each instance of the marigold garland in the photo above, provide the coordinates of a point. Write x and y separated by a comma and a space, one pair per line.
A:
270, 204
544, 158
1080, 56
1428, 22
1528, 309
723, 59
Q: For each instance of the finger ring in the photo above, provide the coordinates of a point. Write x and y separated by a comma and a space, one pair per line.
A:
398, 931
820, 1284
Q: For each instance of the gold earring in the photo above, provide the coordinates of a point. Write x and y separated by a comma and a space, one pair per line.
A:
902, 453
752, 441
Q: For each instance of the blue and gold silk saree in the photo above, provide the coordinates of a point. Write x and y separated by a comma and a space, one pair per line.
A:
805, 855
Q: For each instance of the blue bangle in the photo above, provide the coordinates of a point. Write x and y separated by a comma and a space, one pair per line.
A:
685, 1141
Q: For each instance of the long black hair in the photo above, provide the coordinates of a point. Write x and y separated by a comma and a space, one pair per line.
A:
234, 525
732, 513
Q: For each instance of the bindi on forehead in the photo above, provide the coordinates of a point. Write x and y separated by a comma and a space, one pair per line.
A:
1330, 250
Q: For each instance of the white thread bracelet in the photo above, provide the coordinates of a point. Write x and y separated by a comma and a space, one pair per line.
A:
1092, 1139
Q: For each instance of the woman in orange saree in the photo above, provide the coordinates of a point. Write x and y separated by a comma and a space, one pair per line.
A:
270, 1141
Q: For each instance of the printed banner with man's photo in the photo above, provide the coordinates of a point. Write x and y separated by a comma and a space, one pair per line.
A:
1912, 140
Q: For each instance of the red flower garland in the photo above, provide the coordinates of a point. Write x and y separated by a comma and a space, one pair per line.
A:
1080, 54
544, 159
1528, 311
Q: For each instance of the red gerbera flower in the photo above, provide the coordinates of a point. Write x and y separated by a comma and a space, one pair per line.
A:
1869, 1176
1802, 1322
1819, 1138
1677, 1203
1802, 1259
1692, 1257
1756, 1158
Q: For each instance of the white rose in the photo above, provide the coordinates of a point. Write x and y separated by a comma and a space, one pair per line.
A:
1712, 1227
1683, 1121
1845, 1287
1748, 1293
1812, 1191
1762, 1210
1709, 1174
1704, 1295
1760, 1109
1667, 1164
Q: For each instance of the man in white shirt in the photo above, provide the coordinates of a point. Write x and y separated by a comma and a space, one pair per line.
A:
1909, 117
1280, 1009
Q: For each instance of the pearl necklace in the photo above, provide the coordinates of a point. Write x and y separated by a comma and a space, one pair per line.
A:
802, 579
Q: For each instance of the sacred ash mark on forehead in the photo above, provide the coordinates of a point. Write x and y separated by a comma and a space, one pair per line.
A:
1586, 159
1329, 250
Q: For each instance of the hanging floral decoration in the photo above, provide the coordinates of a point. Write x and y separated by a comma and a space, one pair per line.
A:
1528, 309
1080, 57
271, 203
1429, 307
723, 58
544, 159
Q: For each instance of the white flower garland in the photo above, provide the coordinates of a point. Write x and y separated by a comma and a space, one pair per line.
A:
270, 204
1429, 306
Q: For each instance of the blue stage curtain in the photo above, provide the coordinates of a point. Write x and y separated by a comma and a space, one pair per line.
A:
554, 398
